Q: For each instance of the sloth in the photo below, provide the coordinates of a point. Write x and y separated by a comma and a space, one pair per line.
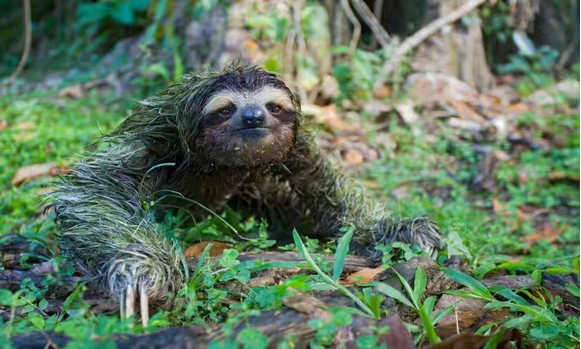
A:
228, 138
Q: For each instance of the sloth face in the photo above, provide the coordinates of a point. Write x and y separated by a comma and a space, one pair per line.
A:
248, 126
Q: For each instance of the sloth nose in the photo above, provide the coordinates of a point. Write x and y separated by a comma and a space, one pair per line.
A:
252, 116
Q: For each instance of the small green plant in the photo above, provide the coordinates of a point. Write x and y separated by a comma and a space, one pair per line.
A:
538, 319
425, 309
339, 263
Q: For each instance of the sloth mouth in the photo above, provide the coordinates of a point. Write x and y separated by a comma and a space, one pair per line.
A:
253, 132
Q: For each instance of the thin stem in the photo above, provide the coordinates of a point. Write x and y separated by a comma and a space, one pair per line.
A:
342, 288
428, 326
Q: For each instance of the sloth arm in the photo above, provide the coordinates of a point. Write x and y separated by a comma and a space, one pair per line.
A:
330, 200
103, 224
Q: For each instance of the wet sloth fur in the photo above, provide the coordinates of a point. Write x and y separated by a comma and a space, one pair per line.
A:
232, 137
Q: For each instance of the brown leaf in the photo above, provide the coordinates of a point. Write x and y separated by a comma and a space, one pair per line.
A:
558, 176
382, 92
28, 173
216, 249
27, 131
353, 157
330, 116
465, 111
73, 92
472, 341
252, 50
523, 177
467, 315
3, 124
371, 184
304, 303
364, 275
26, 125
548, 233
407, 113
497, 207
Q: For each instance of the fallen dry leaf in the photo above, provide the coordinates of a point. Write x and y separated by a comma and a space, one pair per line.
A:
353, 157
26, 125
510, 339
371, 184
27, 131
327, 115
305, 303
427, 88
467, 314
197, 249
497, 207
28, 173
382, 92
523, 177
407, 113
558, 176
73, 92
252, 50
465, 111
364, 275
548, 233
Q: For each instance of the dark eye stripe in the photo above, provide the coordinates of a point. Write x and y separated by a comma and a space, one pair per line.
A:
274, 108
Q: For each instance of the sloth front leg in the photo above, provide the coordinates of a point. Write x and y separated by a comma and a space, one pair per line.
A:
105, 229
140, 272
331, 200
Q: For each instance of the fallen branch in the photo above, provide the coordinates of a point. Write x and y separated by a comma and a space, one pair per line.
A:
364, 12
352, 263
420, 36
11, 279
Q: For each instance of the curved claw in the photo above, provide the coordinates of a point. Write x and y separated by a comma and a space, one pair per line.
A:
130, 301
143, 306
127, 304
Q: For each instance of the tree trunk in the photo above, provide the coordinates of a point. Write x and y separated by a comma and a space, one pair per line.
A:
458, 50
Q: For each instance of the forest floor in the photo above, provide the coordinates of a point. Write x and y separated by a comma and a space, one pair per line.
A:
503, 189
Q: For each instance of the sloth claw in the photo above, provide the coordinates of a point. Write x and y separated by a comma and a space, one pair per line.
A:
130, 302
127, 304
143, 306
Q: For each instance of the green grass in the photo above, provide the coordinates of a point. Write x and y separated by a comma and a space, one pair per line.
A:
430, 175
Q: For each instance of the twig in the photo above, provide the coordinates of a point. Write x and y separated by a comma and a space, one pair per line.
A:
364, 12
457, 325
356, 26
301, 44
378, 12
565, 55
27, 40
421, 35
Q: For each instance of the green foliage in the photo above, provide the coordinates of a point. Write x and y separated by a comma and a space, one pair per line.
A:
496, 20
424, 309
538, 319
338, 256
118, 11
536, 67
357, 75
399, 252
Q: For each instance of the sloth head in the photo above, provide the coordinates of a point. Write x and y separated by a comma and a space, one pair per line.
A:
247, 117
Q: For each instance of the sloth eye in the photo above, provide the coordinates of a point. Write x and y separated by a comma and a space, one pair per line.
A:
275, 109
226, 111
